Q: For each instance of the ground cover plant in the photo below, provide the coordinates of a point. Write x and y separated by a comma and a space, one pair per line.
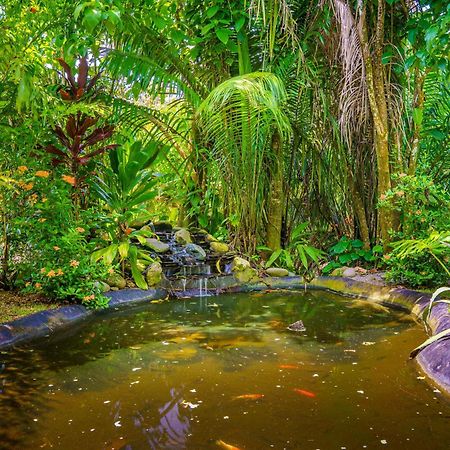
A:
309, 136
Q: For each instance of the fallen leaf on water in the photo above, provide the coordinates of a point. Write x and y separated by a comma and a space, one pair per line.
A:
288, 366
189, 405
305, 393
248, 397
135, 347
226, 446
368, 343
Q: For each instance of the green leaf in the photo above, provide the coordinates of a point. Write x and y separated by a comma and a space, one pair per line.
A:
239, 23
273, 257
91, 19
210, 12
123, 249
356, 243
431, 33
344, 259
223, 34
177, 36
377, 249
412, 34
340, 247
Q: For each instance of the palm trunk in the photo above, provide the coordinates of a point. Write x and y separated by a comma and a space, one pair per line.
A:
377, 99
275, 203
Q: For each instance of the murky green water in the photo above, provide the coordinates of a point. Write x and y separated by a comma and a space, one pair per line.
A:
172, 376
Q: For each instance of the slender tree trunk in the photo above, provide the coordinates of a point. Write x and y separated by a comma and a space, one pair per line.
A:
360, 212
377, 100
275, 203
419, 100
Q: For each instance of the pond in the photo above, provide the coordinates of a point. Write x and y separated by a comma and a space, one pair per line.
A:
225, 371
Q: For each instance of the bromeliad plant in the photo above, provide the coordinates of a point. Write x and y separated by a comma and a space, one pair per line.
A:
79, 142
299, 254
125, 187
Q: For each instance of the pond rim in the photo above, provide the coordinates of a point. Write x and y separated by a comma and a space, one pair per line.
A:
434, 360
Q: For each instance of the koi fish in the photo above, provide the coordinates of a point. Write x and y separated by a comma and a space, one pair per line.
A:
288, 366
249, 397
305, 393
226, 446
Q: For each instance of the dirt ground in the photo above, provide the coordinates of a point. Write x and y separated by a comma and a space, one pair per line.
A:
14, 305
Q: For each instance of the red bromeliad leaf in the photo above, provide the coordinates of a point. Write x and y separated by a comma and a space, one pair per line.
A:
88, 122
68, 72
99, 134
80, 92
92, 82
76, 148
54, 150
82, 74
61, 136
65, 95
71, 126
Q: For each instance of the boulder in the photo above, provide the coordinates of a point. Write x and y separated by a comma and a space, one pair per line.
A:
350, 272
219, 247
102, 286
154, 274
156, 245
242, 270
277, 272
239, 264
196, 251
182, 236
116, 281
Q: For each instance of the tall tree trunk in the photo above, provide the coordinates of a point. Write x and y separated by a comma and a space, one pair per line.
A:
360, 212
275, 203
377, 100
419, 100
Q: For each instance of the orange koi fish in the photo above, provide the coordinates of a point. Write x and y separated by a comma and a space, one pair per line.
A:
305, 393
249, 397
288, 366
226, 446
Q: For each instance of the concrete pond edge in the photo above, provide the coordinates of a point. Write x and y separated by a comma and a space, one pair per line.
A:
433, 360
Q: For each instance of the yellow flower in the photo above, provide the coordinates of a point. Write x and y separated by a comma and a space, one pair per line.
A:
44, 199
42, 173
59, 272
42, 220
69, 179
43, 270
89, 297
51, 274
38, 285
74, 263
56, 248
80, 229
22, 169
27, 284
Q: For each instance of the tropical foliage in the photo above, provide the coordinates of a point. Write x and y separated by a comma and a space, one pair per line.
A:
294, 129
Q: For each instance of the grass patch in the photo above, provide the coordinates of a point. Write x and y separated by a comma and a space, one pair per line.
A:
14, 305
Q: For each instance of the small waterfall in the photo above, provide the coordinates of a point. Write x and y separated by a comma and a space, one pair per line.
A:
200, 282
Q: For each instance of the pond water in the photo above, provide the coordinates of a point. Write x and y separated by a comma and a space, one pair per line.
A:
211, 372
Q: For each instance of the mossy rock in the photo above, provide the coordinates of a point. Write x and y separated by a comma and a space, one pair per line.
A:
219, 247
116, 281
156, 245
182, 236
154, 274
277, 272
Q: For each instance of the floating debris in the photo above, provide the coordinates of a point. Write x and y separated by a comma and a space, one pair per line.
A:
297, 326
249, 397
304, 392
226, 446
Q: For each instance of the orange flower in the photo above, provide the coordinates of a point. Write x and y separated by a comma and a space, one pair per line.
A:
382, 197
89, 297
42, 173
59, 272
44, 199
56, 248
80, 229
28, 186
400, 193
69, 179
74, 263
51, 274
43, 270
128, 231
22, 169
387, 257
38, 285
27, 284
